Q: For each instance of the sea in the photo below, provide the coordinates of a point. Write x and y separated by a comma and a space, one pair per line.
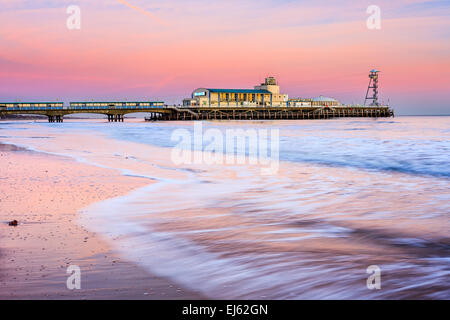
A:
354, 208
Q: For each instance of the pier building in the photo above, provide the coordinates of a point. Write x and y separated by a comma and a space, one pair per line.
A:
265, 94
115, 105
31, 105
324, 101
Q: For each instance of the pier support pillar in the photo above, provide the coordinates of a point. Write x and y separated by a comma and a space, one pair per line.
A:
52, 119
115, 117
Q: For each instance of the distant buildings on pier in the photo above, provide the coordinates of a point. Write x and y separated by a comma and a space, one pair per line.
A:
266, 94
31, 105
116, 104
88, 105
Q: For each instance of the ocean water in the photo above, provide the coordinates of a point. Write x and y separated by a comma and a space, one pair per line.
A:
348, 194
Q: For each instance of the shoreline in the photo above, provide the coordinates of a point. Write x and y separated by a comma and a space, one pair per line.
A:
35, 255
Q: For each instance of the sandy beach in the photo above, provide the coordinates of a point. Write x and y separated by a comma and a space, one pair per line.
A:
110, 199
44, 193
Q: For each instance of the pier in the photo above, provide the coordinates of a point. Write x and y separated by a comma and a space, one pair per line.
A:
264, 102
173, 113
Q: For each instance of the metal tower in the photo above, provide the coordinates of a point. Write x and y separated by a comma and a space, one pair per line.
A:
373, 84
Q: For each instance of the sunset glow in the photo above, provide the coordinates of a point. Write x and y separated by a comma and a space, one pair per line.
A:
163, 50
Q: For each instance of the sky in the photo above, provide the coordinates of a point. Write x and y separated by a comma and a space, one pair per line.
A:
163, 50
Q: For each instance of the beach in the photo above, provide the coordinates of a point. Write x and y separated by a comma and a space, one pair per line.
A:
44, 193
348, 194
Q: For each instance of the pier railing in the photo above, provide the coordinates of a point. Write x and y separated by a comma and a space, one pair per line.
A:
176, 113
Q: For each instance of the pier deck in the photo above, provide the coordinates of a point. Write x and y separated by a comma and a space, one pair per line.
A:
172, 113
270, 113
57, 114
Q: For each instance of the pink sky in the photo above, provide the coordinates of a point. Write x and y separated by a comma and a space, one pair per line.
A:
163, 50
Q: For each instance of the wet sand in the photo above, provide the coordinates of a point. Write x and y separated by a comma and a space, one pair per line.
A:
44, 193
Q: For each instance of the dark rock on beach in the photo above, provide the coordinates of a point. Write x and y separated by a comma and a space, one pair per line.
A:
13, 223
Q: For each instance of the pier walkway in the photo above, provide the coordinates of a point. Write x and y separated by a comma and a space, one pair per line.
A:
173, 113
270, 113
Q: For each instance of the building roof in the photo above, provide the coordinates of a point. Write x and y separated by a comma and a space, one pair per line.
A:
31, 102
240, 91
115, 101
322, 98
